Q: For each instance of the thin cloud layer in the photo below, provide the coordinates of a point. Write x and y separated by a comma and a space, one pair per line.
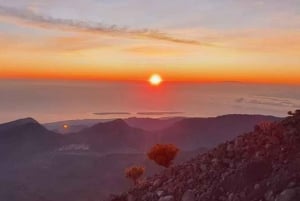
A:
111, 113
158, 113
269, 101
30, 18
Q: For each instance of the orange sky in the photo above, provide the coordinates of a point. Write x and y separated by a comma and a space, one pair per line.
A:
47, 48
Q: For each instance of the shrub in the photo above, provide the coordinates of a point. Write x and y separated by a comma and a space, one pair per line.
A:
134, 173
163, 154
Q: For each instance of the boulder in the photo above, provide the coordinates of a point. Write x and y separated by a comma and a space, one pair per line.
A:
167, 198
188, 196
289, 195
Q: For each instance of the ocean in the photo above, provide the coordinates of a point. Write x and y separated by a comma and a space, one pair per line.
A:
49, 101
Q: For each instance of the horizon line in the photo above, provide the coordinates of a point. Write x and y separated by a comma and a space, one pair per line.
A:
143, 81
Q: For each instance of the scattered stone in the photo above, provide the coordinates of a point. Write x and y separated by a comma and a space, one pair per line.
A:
269, 196
230, 197
256, 186
188, 196
157, 183
167, 198
190, 181
289, 195
291, 184
159, 193
130, 198
256, 166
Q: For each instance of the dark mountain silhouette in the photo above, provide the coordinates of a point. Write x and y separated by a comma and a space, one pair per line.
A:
16, 123
73, 125
23, 137
187, 134
114, 136
191, 133
151, 124
147, 124
260, 165
38, 164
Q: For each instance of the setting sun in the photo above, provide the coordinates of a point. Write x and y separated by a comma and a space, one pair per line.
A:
99, 91
155, 79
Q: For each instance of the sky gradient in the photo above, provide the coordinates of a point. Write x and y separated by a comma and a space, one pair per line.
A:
183, 40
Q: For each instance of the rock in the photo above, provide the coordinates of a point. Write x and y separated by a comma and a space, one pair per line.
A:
203, 167
289, 195
255, 166
215, 160
242, 195
230, 196
157, 183
229, 147
130, 198
190, 181
159, 193
291, 184
256, 186
167, 198
269, 196
188, 196
259, 154
148, 196
268, 145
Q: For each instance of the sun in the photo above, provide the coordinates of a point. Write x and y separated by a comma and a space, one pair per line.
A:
155, 79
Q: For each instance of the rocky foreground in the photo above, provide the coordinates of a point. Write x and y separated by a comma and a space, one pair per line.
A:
263, 165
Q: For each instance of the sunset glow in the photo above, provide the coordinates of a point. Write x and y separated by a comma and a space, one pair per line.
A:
87, 87
155, 80
53, 41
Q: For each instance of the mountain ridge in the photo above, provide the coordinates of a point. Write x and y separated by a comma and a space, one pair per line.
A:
263, 164
18, 122
39, 160
197, 132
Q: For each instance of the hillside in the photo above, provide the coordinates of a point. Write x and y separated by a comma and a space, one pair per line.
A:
191, 133
24, 137
89, 165
138, 134
114, 137
260, 165
73, 125
152, 124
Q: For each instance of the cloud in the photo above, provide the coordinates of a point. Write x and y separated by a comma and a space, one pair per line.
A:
158, 113
138, 113
111, 113
270, 101
240, 100
156, 51
50, 44
29, 17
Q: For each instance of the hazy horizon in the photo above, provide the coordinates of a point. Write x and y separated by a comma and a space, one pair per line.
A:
49, 101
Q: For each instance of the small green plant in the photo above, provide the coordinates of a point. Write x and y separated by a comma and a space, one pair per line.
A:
134, 173
163, 154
